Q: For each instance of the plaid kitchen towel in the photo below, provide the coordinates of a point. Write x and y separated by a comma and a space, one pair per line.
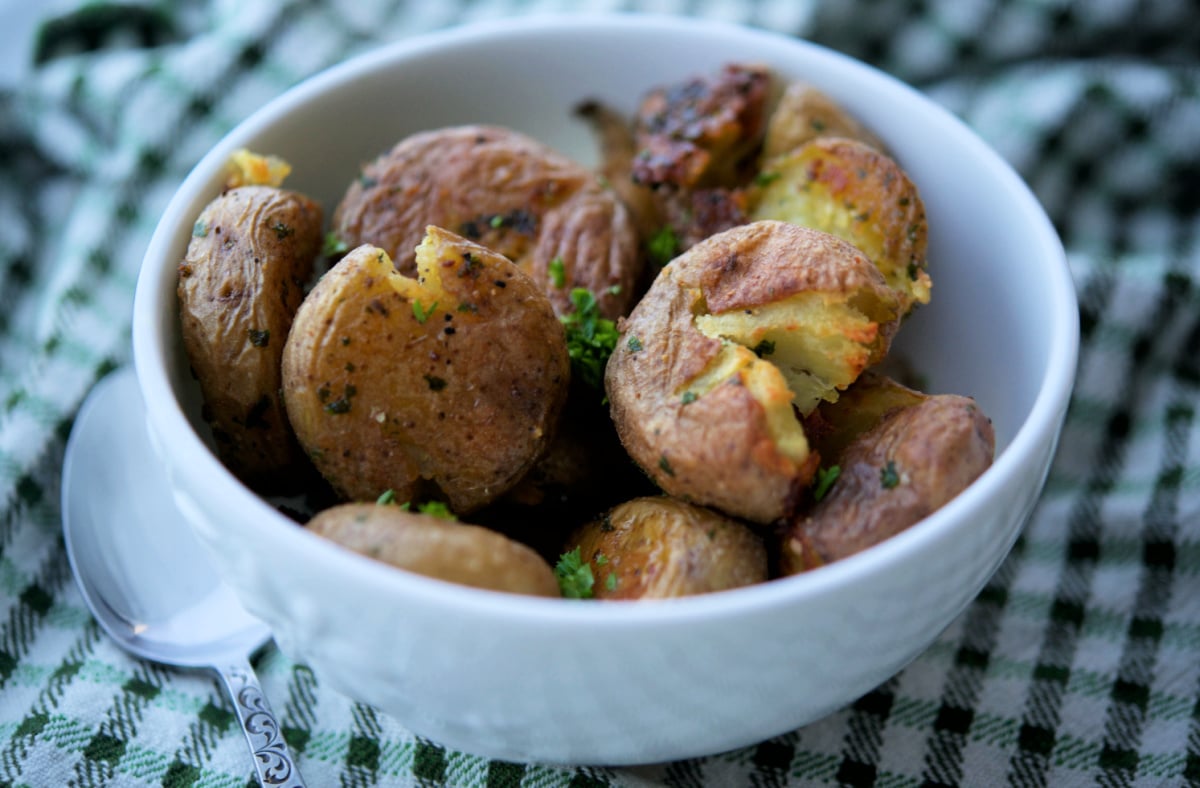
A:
1079, 663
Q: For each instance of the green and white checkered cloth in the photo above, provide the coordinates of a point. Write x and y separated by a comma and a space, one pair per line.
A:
1078, 664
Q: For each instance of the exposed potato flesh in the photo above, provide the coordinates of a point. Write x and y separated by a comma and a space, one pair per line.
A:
853, 191
507, 192
898, 472
456, 552
447, 385
658, 547
707, 418
804, 113
247, 168
250, 254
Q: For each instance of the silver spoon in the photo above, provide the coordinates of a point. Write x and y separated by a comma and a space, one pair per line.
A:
143, 573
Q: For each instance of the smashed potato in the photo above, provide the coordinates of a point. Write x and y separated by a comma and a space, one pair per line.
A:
853, 191
732, 336
448, 385
658, 547
803, 114
896, 473
240, 284
510, 193
427, 545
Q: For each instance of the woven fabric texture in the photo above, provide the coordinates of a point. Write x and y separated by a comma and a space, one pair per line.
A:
1078, 664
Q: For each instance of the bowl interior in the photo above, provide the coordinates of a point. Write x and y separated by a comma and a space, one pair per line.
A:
1000, 326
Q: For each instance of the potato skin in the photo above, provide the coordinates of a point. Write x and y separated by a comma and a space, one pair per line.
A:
448, 387
804, 113
250, 255
456, 552
720, 448
659, 547
507, 192
893, 475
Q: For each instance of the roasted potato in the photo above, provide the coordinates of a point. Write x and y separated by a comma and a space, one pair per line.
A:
804, 113
834, 425
508, 192
658, 547
249, 258
731, 337
896, 473
435, 547
853, 191
448, 385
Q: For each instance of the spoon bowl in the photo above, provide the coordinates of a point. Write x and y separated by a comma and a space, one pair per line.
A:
144, 575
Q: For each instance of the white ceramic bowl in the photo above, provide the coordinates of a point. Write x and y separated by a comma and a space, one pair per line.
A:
554, 680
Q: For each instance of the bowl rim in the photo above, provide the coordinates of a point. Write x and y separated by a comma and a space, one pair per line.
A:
167, 419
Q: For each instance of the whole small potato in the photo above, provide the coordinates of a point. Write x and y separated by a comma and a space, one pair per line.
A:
850, 189
833, 426
730, 340
893, 475
448, 385
250, 255
658, 547
434, 547
547, 213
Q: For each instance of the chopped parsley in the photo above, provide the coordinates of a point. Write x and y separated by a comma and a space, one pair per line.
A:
388, 496
610, 582
420, 312
199, 229
574, 575
689, 397
282, 230
888, 476
665, 465
825, 479
334, 246
663, 246
634, 344
496, 222
590, 338
763, 178
435, 509
259, 337
557, 272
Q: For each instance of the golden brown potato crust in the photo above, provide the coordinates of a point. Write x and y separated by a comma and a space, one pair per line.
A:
896, 473
451, 551
721, 445
449, 386
657, 547
803, 114
251, 252
507, 192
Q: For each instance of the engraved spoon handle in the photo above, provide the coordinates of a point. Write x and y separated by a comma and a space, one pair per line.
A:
272, 759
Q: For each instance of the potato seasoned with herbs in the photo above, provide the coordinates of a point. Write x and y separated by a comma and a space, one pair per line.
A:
804, 113
547, 213
250, 255
853, 191
658, 547
896, 473
447, 385
437, 547
731, 339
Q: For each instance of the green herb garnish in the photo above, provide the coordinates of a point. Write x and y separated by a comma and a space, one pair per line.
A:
610, 582
388, 497
282, 230
590, 338
663, 246
634, 344
763, 178
665, 465
575, 578
421, 313
689, 397
259, 337
888, 476
557, 272
333, 246
825, 479
199, 229
436, 509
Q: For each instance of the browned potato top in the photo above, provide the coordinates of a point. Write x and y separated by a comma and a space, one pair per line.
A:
421, 543
657, 547
896, 473
730, 336
507, 192
250, 255
853, 191
804, 113
447, 385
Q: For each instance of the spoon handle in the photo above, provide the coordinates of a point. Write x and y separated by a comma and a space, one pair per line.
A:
272, 759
